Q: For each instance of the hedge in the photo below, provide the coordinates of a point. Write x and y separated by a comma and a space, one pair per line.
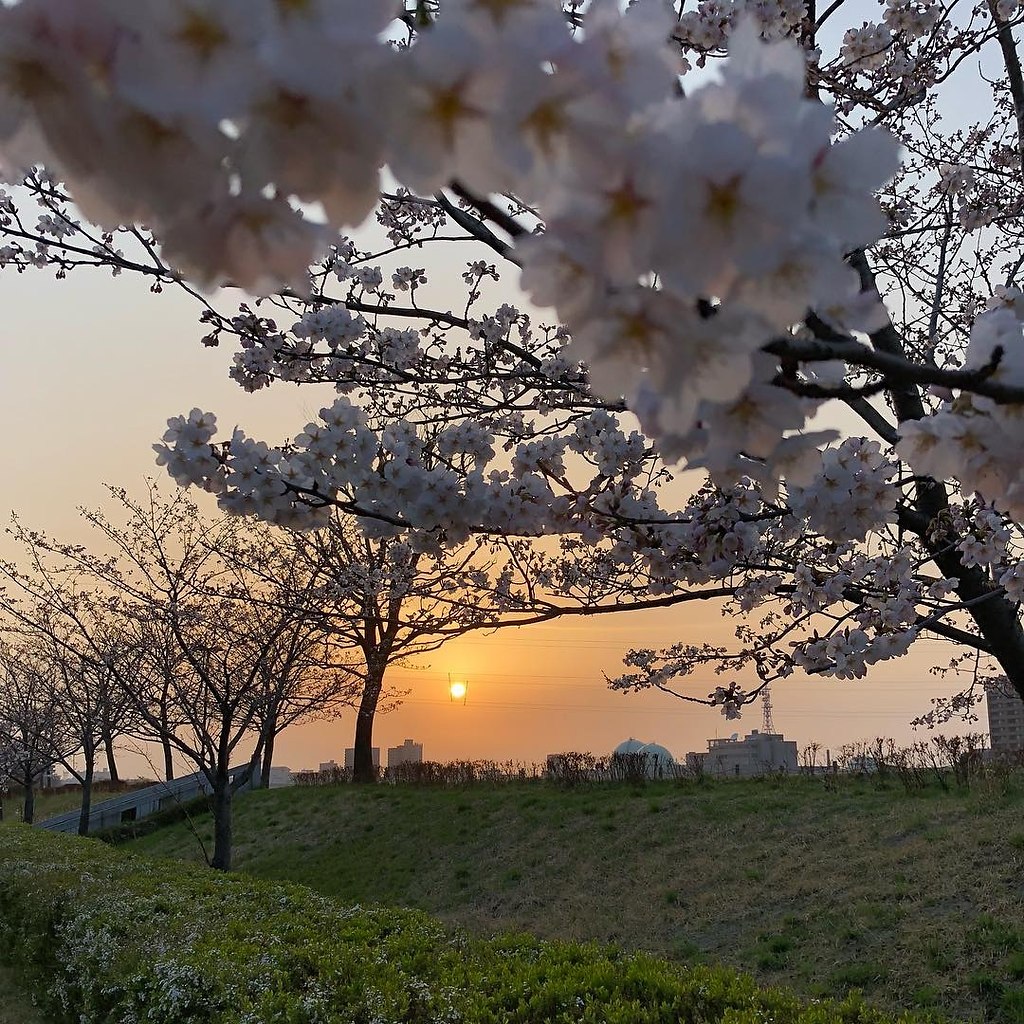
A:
102, 937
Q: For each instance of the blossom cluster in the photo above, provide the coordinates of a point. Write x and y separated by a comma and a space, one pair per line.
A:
972, 437
444, 484
213, 122
847, 653
852, 494
676, 232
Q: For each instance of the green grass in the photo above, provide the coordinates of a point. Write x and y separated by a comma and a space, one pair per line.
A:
15, 1006
49, 805
102, 937
916, 900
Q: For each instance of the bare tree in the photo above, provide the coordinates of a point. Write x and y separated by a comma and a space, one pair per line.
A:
304, 671
213, 640
94, 709
31, 733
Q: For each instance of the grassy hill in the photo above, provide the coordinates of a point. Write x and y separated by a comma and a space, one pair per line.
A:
50, 803
916, 899
16, 1006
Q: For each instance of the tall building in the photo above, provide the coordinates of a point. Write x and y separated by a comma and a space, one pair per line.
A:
1005, 717
758, 753
408, 753
350, 757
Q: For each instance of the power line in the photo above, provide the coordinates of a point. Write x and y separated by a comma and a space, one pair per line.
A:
490, 678
635, 709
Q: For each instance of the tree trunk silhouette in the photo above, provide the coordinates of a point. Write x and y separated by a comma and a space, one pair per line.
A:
108, 747
222, 831
268, 757
363, 769
90, 768
29, 807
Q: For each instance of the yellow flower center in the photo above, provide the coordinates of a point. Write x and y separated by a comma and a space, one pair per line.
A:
287, 109
545, 123
723, 200
625, 203
447, 108
288, 8
499, 10
201, 34
30, 78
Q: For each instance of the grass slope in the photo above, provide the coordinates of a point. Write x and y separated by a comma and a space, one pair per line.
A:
49, 804
15, 1005
105, 938
918, 900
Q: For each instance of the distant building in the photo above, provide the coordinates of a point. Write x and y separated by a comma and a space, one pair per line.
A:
350, 757
1005, 717
758, 753
657, 760
281, 777
630, 746
329, 767
408, 753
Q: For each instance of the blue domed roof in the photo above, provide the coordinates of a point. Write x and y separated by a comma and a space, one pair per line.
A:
658, 753
630, 746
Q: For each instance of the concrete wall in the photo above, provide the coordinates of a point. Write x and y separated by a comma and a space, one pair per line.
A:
136, 805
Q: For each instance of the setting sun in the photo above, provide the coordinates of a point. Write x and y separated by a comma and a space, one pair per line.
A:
457, 690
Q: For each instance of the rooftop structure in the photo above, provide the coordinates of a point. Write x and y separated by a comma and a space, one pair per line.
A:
409, 752
630, 746
756, 754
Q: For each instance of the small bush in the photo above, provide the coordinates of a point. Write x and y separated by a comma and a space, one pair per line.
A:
858, 976
104, 938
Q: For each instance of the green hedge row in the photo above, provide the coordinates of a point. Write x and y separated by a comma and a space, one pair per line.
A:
105, 938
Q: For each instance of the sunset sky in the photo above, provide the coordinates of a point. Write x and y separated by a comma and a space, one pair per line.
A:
96, 365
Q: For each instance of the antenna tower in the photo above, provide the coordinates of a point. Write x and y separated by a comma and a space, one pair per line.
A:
767, 722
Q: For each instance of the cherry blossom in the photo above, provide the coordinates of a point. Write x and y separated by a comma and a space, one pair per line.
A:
707, 254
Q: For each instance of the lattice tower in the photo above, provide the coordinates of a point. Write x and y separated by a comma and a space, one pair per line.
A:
768, 722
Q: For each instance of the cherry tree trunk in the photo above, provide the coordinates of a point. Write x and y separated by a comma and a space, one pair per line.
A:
108, 748
268, 759
168, 758
363, 769
90, 768
29, 808
222, 831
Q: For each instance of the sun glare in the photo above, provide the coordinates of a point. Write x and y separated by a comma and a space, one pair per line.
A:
457, 689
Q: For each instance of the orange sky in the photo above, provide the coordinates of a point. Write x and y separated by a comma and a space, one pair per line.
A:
540, 689
94, 368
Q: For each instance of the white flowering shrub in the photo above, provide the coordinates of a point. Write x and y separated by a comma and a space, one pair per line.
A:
103, 938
